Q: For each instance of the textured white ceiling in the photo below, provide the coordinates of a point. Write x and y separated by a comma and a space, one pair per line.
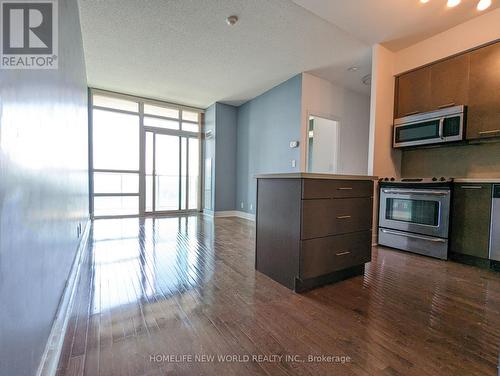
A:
183, 50
395, 23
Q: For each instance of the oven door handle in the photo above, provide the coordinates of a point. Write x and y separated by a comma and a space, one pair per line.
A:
416, 192
407, 235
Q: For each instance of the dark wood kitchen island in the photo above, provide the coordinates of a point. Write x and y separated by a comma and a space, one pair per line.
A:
313, 229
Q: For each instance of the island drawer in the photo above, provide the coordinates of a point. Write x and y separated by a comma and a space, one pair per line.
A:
326, 217
323, 188
327, 255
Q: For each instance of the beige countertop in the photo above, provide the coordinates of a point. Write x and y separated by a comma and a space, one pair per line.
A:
476, 180
307, 175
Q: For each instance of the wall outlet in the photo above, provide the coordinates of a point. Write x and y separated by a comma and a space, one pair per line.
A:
242, 205
251, 206
294, 163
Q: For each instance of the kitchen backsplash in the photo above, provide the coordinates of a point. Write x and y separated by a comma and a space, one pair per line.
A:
475, 161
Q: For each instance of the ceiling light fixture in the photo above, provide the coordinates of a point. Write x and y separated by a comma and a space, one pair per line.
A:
353, 68
483, 4
231, 20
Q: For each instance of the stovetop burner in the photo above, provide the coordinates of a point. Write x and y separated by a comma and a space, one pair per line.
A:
434, 179
433, 182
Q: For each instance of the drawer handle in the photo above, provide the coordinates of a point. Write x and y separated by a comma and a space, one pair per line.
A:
489, 132
471, 187
485, 133
345, 188
343, 217
343, 253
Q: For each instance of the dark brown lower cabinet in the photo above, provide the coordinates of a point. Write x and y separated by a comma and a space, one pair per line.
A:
470, 220
313, 231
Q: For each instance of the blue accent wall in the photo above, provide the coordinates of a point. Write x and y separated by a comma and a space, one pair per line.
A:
220, 147
251, 139
43, 193
266, 125
225, 156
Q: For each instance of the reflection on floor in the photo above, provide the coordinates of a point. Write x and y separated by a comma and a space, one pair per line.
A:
162, 296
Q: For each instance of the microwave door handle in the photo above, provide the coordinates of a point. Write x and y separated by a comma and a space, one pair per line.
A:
441, 125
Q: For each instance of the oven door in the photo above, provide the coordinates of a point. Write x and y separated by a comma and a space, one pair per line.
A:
421, 211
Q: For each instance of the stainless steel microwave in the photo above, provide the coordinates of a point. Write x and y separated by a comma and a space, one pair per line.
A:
436, 127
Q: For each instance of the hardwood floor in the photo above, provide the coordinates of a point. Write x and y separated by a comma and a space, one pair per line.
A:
154, 292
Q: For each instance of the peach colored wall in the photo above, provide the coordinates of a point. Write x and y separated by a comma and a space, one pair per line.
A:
470, 34
383, 160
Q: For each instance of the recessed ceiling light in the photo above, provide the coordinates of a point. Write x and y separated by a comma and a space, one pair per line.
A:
483, 4
231, 20
452, 3
353, 68
424, 1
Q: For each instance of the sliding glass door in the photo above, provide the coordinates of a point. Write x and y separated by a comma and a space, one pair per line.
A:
172, 172
145, 157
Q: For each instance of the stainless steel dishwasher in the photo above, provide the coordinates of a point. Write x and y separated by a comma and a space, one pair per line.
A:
495, 224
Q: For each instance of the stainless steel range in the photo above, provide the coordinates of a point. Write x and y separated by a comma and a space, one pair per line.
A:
414, 215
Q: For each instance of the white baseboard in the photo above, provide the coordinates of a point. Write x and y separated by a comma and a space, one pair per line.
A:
53, 348
234, 213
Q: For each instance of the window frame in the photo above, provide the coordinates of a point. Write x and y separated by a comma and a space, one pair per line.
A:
141, 194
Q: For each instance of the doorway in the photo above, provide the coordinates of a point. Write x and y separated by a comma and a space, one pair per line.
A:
172, 172
323, 145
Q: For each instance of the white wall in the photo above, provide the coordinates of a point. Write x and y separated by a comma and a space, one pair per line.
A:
351, 109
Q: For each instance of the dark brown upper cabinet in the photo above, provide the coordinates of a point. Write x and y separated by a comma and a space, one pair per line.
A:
450, 82
483, 118
440, 85
413, 92
472, 79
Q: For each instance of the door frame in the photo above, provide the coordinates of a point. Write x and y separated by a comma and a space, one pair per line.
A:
339, 134
175, 133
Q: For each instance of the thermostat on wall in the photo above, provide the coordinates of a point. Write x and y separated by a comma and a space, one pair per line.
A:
294, 144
